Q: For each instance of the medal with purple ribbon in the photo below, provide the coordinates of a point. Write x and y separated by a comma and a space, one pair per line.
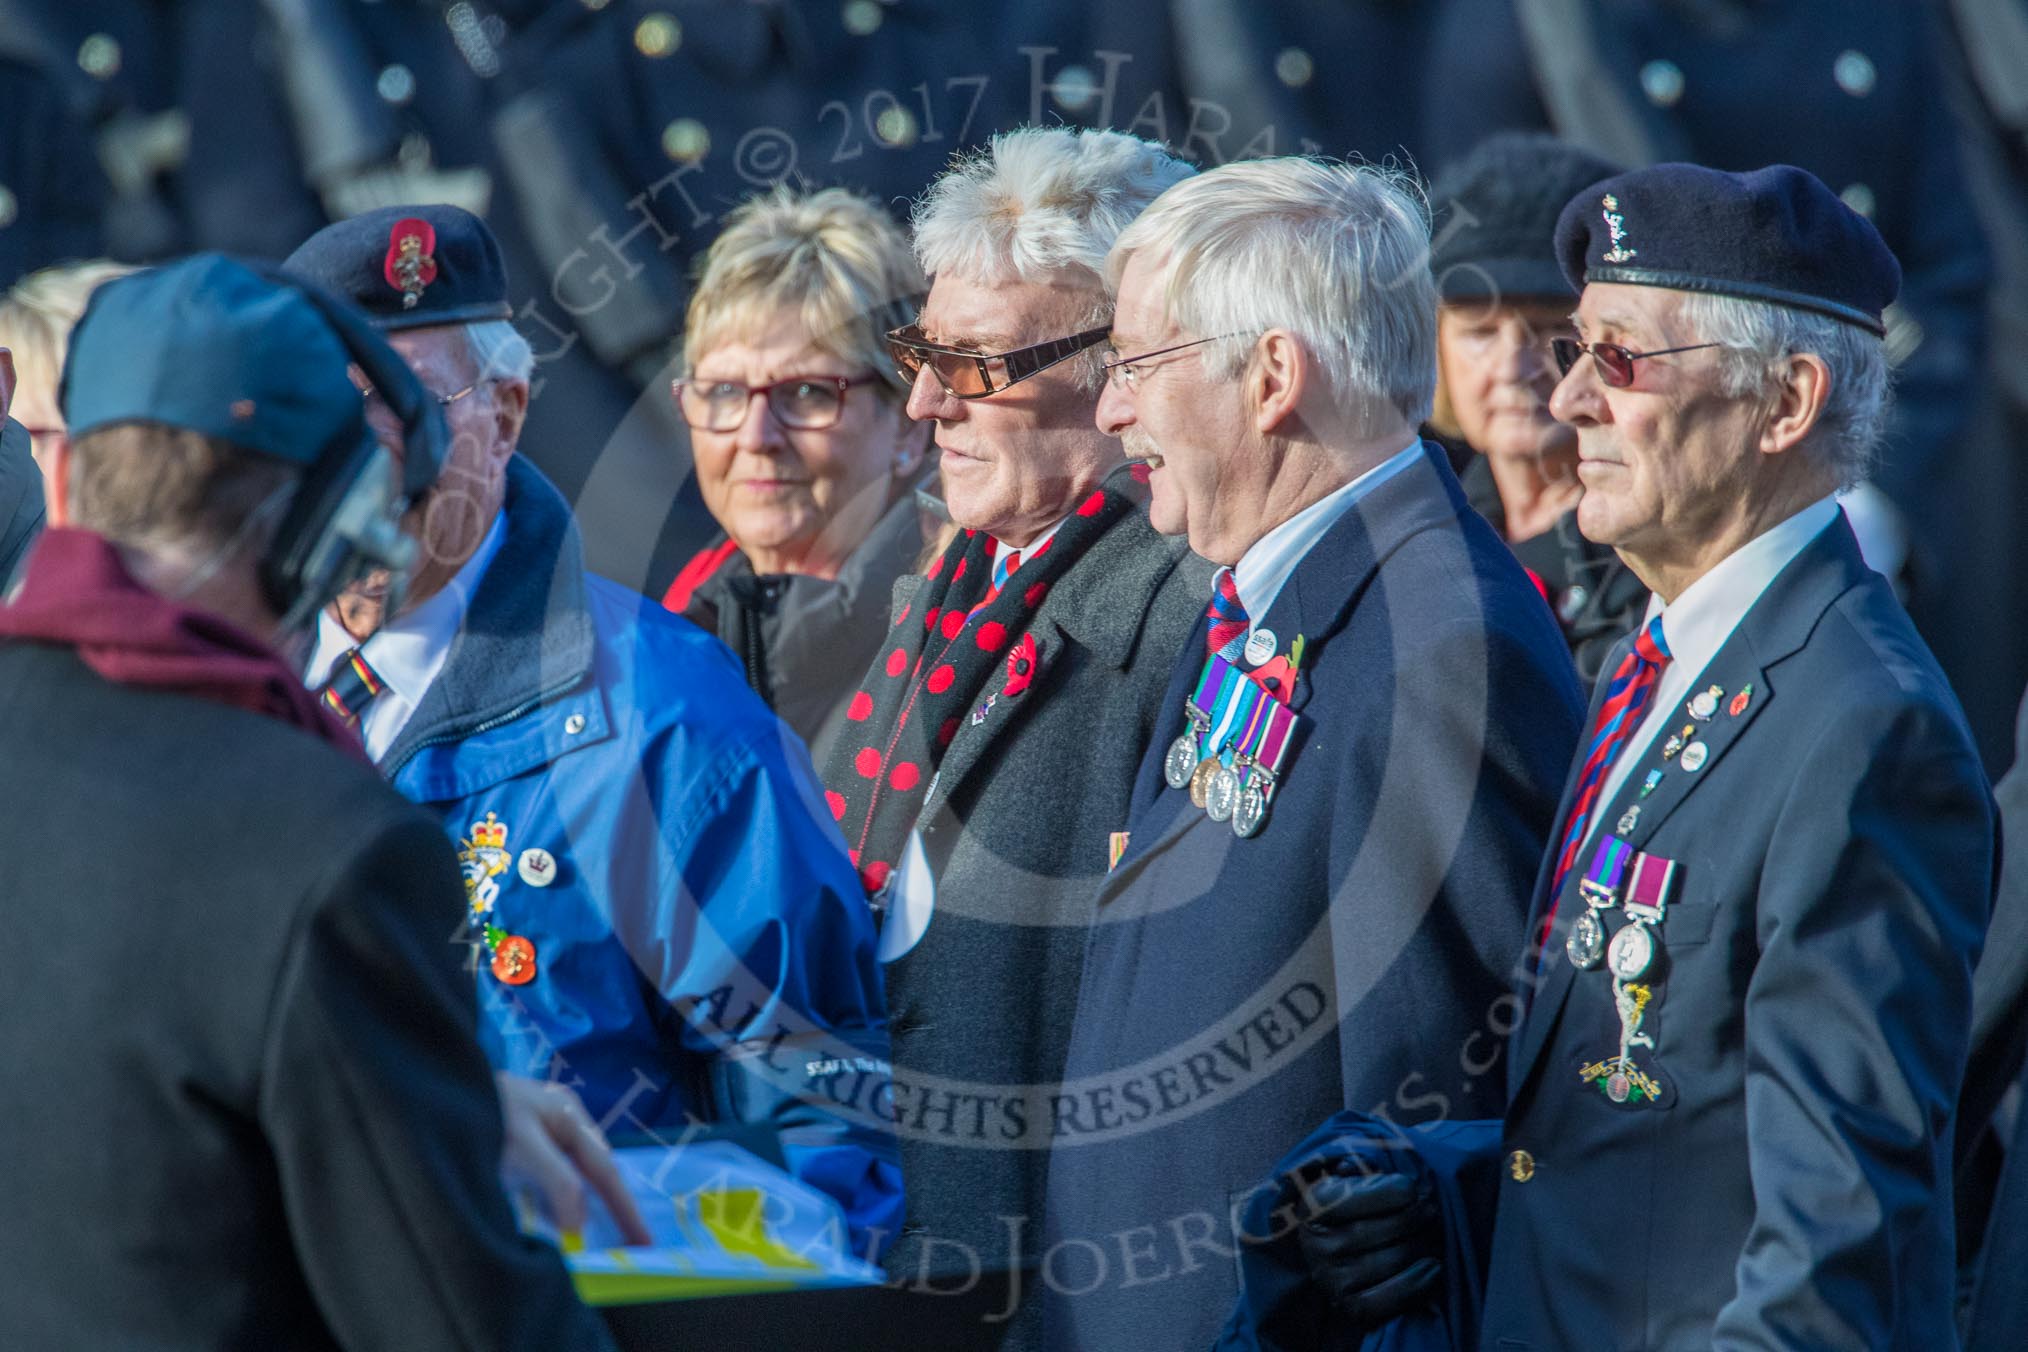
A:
1600, 888
1262, 750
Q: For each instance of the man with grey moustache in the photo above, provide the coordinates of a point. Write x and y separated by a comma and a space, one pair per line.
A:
1360, 750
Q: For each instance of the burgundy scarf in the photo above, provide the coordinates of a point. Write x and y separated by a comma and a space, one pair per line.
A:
78, 593
946, 656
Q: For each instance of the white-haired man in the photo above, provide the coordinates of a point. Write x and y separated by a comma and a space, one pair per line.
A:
1329, 859
1733, 1084
993, 747
1732, 1091
661, 917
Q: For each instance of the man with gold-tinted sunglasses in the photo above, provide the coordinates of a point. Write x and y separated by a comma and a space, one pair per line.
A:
994, 740
965, 374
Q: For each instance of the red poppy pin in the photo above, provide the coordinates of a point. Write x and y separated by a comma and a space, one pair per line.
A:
1022, 663
1276, 676
411, 259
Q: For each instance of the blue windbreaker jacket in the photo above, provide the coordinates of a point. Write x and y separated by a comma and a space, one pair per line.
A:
703, 952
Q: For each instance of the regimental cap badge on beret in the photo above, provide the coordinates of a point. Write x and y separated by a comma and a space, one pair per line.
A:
1776, 235
411, 259
1616, 225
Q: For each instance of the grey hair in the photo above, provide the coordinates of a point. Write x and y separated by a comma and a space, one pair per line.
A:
1039, 202
1756, 336
1337, 254
499, 352
1043, 204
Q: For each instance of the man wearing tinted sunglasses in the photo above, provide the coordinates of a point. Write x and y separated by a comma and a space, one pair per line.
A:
993, 745
1747, 1000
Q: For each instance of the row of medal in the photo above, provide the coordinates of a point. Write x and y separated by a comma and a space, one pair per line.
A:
1620, 876
1230, 754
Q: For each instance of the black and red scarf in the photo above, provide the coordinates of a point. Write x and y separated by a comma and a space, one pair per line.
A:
947, 654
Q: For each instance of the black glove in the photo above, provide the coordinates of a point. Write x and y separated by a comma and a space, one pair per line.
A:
1373, 1242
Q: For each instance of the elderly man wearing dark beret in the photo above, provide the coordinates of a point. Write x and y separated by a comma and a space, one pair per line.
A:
663, 924
1747, 1003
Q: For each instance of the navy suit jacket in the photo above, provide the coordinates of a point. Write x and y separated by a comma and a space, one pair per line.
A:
1811, 1012
1356, 953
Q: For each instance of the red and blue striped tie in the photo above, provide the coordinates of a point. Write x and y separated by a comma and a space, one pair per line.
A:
1228, 618
1626, 701
351, 688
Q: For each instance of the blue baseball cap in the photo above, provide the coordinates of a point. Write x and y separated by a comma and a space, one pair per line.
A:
208, 345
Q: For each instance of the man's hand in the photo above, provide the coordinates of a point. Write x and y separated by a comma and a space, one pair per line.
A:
1375, 1242
552, 1142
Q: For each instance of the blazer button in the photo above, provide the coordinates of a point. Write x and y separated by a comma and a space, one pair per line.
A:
1521, 1166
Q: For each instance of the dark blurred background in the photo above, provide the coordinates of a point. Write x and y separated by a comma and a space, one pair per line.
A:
605, 139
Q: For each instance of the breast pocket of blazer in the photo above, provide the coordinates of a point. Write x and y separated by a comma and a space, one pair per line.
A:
1689, 923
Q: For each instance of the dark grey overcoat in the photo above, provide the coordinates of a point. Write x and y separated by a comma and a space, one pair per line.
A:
1015, 829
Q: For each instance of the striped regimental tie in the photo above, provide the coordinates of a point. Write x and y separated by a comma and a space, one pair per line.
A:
351, 688
1227, 635
1633, 685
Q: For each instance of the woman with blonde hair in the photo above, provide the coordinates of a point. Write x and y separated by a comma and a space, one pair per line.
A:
804, 453
36, 318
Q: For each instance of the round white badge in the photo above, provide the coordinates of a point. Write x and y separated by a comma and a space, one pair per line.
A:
1694, 756
537, 867
1260, 647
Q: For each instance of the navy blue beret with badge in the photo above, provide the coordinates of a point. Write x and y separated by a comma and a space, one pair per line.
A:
1776, 235
410, 266
208, 345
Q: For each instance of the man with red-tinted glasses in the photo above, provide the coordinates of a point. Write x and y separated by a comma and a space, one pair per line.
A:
1745, 1022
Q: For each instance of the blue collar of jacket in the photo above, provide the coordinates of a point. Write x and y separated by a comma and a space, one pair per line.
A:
1333, 577
528, 636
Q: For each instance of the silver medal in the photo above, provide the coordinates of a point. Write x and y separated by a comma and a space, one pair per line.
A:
1586, 943
1222, 798
1631, 952
1251, 812
1181, 762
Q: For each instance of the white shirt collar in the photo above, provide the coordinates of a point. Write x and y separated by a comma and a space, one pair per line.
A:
1001, 547
1697, 623
1265, 567
409, 651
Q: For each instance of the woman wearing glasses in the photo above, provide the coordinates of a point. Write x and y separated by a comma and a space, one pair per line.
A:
1505, 304
803, 451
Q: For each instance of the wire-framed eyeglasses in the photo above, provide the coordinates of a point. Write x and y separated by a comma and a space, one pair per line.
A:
1125, 371
1615, 363
801, 403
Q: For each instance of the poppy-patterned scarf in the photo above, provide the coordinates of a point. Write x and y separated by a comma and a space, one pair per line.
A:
962, 641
